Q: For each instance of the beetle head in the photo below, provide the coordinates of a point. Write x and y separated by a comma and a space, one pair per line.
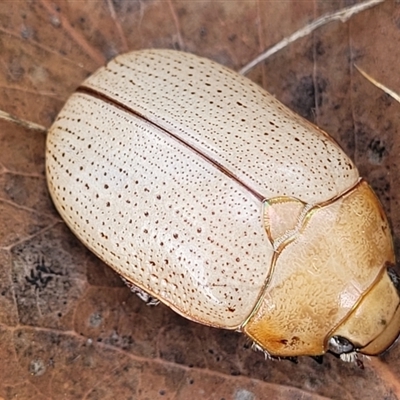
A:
329, 288
373, 326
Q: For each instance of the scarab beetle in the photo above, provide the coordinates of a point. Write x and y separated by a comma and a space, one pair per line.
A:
204, 191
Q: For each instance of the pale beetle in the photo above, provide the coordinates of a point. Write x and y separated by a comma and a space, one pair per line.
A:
203, 191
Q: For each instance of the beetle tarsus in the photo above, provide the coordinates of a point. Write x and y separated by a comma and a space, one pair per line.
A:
257, 347
143, 295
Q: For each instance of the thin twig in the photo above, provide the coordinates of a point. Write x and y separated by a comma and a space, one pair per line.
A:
379, 85
342, 15
21, 122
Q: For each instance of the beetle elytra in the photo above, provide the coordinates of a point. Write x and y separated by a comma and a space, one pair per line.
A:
203, 190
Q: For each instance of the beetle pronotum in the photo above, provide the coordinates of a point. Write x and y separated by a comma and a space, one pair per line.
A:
204, 191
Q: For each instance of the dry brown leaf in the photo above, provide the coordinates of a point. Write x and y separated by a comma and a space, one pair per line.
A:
68, 327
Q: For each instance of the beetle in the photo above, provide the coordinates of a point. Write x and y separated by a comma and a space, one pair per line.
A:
205, 192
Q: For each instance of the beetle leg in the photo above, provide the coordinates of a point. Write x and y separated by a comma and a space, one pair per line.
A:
268, 356
257, 347
149, 300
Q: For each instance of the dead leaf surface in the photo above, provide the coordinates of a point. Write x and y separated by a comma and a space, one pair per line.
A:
69, 329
